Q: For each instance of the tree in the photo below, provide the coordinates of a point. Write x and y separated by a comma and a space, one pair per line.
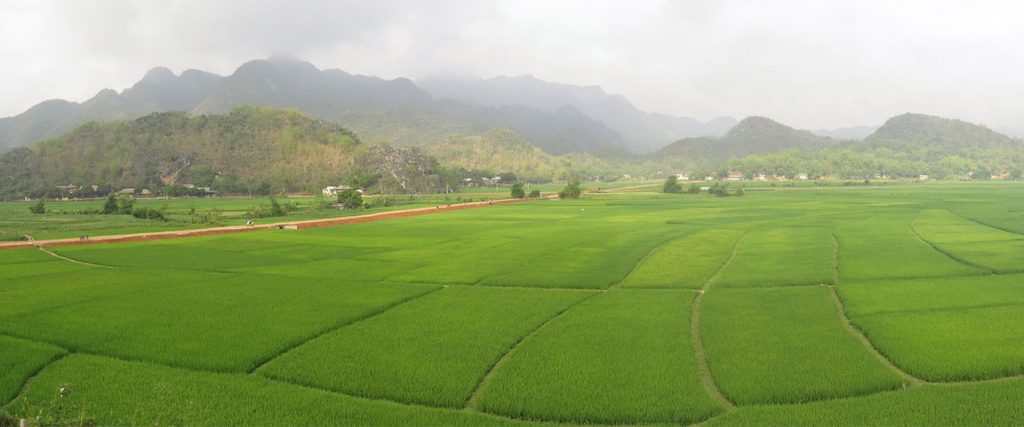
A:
571, 190
672, 185
982, 174
110, 206
350, 199
38, 208
125, 206
275, 208
517, 191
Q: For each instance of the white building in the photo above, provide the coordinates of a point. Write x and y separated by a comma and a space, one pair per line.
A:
332, 190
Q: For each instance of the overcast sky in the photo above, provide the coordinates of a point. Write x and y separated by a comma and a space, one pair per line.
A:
811, 64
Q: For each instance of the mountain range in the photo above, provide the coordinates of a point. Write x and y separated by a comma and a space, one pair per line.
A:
558, 118
268, 127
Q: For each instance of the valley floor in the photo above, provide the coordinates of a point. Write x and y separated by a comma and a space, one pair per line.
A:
893, 306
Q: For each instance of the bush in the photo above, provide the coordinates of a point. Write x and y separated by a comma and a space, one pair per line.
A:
350, 199
146, 213
571, 190
110, 206
125, 206
535, 194
38, 208
275, 208
517, 191
693, 188
672, 185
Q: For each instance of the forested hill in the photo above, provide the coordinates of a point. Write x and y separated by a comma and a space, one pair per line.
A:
249, 149
948, 136
751, 136
502, 150
907, 145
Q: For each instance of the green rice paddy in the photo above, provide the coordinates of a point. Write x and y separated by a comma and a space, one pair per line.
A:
798, 306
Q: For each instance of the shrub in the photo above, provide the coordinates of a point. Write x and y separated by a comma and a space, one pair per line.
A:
125, 206
571, 190
147, 213
535, 194
110, 206
517, 191
672, 185
275, 208
693, 188
38, 208
350, 199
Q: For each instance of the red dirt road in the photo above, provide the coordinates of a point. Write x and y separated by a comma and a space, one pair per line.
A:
312, 223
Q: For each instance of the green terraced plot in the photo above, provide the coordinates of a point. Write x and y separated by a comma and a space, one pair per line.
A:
686, 262
972, 243
931, 294
20, 359
213, 321
112, 392
434, 350
884, 246
982, 404
620, 357
785, 345
781, 256
952, 344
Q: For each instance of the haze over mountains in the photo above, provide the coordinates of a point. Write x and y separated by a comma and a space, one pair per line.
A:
202, 128
558, 118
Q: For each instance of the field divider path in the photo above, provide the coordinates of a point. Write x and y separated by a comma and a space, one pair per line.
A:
303, 224
707, 379
856, 332
259, 364
967, 218
470, 403
34, 374
948, 254
54, 254
643, 259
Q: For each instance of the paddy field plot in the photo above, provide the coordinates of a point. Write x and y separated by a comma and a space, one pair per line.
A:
543, 312
884, 246
972, 243
684, 262
434, 350
621, 357
785, 345
781, 256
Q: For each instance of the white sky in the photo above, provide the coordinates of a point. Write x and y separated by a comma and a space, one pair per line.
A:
811, 64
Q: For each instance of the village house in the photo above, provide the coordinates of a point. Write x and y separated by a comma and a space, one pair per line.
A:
734, 176
760, 177
127, 191
332, 190
922, 177
801, 176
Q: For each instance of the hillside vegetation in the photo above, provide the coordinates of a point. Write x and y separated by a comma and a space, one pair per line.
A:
502, 150
906, 146
248, 150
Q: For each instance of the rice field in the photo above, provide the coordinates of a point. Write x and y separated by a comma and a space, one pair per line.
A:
897, 305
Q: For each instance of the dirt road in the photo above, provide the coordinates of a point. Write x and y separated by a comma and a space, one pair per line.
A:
313, 223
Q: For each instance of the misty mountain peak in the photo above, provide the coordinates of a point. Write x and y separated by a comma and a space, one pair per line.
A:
157, 75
